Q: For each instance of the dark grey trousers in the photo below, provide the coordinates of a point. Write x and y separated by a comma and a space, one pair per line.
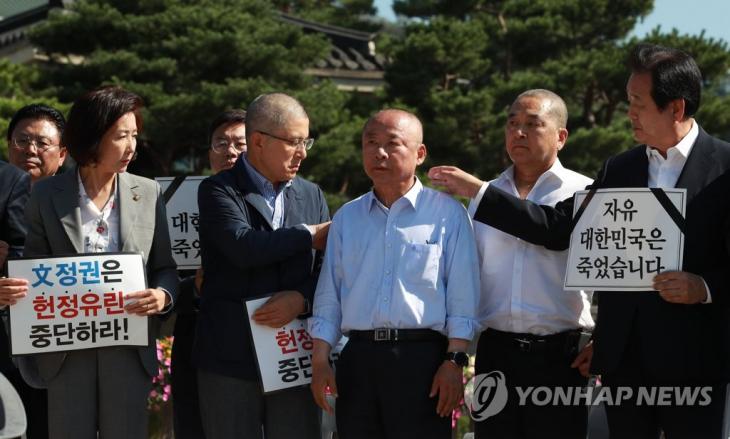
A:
234, 408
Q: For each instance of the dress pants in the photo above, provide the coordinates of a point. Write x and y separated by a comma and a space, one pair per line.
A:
185, 402
384, 390
542, 363
631, 420
100, 390
234, 408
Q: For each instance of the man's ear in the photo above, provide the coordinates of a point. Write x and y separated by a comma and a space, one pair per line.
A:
422, 153
677, 106
562, 137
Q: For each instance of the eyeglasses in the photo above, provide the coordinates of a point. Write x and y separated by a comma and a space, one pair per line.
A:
221, 145
41, 143
296, 143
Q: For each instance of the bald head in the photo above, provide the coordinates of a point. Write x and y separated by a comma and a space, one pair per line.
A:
553, 105
407, 122
271, 112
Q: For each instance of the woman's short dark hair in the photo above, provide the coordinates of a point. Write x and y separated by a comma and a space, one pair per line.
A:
92, 115
226, 118
37, 112
674, 75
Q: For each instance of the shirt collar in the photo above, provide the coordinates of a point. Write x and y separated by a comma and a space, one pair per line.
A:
411, 196
684, 147
82, 189
556, 170
262, 183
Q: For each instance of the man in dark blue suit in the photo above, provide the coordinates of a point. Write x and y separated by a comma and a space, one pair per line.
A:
677, 335
259, 227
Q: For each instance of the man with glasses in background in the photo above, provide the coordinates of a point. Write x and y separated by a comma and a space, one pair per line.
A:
34, 140
258, 225
227, 140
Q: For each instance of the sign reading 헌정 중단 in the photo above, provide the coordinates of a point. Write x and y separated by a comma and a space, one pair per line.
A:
284, 355
77, 302
624, 238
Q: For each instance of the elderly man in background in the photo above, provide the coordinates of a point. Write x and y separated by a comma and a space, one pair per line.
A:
259, 223
532, 327
400, 279
34, 140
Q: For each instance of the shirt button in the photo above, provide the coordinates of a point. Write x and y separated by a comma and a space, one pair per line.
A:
387, 271
385, 299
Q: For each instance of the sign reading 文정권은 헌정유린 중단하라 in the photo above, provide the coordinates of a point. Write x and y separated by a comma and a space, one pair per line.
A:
77, 302
623, 238
182, 219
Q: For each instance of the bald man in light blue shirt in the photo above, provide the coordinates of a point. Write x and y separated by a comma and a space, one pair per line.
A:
400, 277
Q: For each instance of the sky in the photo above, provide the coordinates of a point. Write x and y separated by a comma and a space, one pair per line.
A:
688, 16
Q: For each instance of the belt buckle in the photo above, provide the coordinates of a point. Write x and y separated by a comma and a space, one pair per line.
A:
524, 345
382, 334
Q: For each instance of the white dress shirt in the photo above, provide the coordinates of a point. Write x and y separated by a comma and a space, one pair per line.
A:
665, 172
522, 283
411, 266
100, 228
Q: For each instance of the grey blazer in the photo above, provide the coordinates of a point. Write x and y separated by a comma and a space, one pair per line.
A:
54, 228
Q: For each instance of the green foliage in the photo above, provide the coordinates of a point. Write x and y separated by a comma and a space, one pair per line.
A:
461, 63
188, 59
16, 91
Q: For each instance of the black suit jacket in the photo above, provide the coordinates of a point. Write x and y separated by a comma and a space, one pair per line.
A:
14, 193
243, 257
678, 343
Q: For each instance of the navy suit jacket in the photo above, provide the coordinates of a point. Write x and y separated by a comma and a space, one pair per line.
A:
14, 193
243, 257
677, 343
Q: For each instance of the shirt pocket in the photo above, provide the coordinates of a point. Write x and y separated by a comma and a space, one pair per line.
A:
421, 264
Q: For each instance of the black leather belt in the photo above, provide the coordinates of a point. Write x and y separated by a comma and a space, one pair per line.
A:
534, 343
393, 334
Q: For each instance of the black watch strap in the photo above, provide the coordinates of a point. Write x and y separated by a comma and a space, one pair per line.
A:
461, 359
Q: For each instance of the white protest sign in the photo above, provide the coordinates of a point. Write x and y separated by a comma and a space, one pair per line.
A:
76, 303
284, 355
182, 220
623, 239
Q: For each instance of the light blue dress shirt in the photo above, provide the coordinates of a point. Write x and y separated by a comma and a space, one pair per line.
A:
411, 266
274, 198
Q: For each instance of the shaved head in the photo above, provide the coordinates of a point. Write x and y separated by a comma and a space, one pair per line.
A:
554, 105
407, 120
272, 111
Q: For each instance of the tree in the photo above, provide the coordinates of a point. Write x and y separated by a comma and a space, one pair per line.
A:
462, 62
190, 60
16, 91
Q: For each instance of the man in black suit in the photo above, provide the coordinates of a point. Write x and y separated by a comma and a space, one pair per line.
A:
259, 224
14, 195
676, 335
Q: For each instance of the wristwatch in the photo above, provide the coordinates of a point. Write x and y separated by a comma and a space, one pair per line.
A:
461, 359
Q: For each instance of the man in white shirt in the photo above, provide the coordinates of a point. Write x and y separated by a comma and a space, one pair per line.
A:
531, 325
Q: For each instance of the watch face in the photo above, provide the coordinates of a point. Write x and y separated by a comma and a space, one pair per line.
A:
461, 358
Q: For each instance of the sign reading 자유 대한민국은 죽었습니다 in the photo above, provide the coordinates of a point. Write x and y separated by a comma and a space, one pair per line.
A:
623, 237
